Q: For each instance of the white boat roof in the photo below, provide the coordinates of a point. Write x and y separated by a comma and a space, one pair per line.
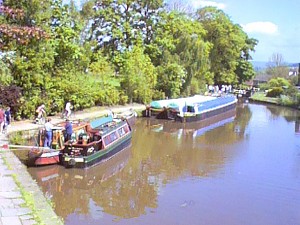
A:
181, 102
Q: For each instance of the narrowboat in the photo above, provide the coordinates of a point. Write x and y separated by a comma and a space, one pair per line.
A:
129, 115
191, 109
169, 108
195, 111
103, 139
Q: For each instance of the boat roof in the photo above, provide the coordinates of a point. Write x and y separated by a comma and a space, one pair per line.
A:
181, 102
101, 121
110, 126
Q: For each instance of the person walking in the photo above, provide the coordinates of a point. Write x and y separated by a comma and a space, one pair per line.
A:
41, 110
68, 109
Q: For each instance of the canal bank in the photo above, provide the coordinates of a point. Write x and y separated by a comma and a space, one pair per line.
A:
21, 200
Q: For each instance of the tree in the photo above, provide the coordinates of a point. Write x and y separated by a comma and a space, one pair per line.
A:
117, 24
229, 44
171, 79
11, 32
180, 41
276, 66
138, 76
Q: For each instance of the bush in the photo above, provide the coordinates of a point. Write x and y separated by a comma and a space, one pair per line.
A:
264, 86
286, 100
275, 92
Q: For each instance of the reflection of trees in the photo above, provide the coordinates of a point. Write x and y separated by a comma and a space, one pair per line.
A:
129, 185
287, 113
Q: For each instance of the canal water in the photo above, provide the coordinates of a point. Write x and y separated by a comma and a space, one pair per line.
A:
240, 168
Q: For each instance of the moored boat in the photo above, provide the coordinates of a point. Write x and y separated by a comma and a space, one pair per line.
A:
199, 111
103, 139
129, 115
191, 109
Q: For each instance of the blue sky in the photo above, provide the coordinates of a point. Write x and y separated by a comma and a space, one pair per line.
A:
275, 24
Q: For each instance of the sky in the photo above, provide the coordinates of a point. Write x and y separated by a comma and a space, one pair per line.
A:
275, 24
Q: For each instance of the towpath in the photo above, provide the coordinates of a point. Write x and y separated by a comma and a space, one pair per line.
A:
21, 200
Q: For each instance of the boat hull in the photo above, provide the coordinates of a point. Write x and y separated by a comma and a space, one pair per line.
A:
206, 114
43, 159
97, 157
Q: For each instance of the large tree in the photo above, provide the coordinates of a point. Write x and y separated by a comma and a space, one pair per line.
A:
229, 42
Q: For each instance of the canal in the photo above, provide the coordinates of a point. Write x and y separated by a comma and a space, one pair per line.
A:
240, 168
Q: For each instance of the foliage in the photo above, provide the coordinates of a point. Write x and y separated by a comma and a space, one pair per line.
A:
230, 46
170, 79
5, 73
13, 33
115, 52
279, 82
138, 76
275, 92
286, 100
10, 96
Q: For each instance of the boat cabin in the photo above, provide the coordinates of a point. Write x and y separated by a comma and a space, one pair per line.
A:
97, 138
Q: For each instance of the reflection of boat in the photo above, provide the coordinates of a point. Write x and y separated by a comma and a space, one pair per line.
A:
191, 109
105, 138
39, 156
82, 179
199, 127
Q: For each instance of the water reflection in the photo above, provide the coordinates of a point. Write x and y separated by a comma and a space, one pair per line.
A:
186, 170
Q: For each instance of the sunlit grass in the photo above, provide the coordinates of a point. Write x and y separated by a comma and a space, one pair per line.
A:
261, 97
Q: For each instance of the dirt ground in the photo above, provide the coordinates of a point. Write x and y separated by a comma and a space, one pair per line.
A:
83, 115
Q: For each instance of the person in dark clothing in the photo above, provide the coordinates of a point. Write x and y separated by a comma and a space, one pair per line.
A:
7, 116
69, 130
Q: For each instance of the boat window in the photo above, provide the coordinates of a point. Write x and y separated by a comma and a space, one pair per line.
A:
110, 138
121, 131
126, 129
107, 140
113, 136
190, 109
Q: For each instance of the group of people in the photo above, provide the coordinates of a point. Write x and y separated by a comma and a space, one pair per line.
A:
49, 127
5, 119
41, 110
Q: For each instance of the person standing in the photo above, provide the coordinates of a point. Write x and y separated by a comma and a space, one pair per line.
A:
2, 120
7, 116
48, 133
69, 130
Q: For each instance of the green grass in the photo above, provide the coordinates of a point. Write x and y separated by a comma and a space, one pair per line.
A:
261, 97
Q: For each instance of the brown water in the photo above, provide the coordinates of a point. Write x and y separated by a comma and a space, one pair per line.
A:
244, 168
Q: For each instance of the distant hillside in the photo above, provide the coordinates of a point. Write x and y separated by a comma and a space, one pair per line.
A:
259, 65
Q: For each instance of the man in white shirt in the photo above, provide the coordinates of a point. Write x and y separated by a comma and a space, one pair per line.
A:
68, 109
48, 133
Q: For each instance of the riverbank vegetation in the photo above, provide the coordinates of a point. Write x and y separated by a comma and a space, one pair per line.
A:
114, 52
278, 91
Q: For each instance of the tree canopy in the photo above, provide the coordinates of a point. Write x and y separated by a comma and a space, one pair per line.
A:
115, 52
